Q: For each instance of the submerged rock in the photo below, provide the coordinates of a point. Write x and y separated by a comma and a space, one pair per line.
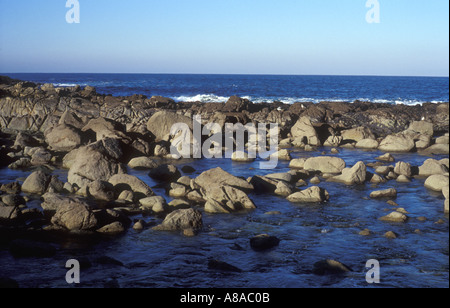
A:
264, 242
330, 267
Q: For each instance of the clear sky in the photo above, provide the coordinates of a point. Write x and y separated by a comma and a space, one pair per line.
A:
323, 37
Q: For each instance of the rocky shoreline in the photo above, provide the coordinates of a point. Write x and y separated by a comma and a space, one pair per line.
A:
96, 138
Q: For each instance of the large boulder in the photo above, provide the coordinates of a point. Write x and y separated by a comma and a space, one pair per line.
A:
97, 161
63, 138
357, 134
402, 168
352, 176
311, 195
305, 131
367, 144
123, 182
181, 220
226, 199
237, 104
36, 183
421, 127
217, 177
160, 124
75, 216
397, 143
437, 182
325, 164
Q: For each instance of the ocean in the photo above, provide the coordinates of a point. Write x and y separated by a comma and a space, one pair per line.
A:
259, 88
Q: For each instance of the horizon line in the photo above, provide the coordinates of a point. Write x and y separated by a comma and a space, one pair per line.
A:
236, 74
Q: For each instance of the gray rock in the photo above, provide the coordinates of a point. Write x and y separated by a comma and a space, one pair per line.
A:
165, 173
397, 143
352, 176
386, 193
182, 219
76, 216
402, 168
325, 164
330, 267
122, 182
36, 183
311, 195
437, 182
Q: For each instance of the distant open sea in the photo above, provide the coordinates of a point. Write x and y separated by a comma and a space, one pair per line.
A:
259, 88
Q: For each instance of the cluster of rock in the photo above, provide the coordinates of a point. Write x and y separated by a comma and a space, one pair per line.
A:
96, 136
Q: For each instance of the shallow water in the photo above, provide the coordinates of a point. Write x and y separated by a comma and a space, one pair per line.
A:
308, 233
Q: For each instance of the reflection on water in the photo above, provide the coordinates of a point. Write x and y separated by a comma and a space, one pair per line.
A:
308, 233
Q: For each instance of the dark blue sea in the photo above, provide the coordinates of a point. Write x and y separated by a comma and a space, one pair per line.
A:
259, 88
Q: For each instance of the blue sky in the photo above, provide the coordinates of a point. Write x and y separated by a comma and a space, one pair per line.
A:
323, 37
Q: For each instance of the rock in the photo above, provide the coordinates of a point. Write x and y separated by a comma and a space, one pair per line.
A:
161, 123
264, 242
395, 217
431, 167
127, 196
101, 190
241, 157
226, 199
445, 192
437, 182
315, 180
217, 177
179, 204
156, 204
325, 164
383, 170
123, 182
352, 176
180, 220
297, 163
12, 200
31, 249
390, 235
282, 154
11, 188
442, 140
402, 168
237, 104
357, 134
403, 179
386, 193
142, 163
421, 127
222, 266
165, 173
139, 225
106, 129
188, 169
97, 161
367, 144
22, 163
76, 216
63, 138
397, 143
436, 149
377, 179
311, 195
112, 229
283, 189
422, 141
306, 132
41, 157
36, 183
8, 214
386, 158
365, 232
333, 141
330, 267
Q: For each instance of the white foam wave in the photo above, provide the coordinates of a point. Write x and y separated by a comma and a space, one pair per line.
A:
64, 84
204, 98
